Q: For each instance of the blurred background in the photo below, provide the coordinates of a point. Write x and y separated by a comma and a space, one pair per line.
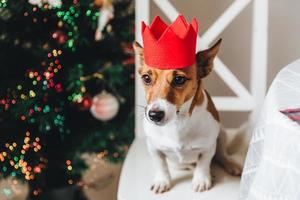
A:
67, 87
66, 95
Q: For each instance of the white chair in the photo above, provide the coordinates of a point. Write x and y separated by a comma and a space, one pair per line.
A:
137, 173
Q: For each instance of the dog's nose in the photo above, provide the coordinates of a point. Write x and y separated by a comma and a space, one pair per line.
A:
156, 116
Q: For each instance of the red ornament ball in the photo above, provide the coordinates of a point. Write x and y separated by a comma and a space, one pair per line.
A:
105, 106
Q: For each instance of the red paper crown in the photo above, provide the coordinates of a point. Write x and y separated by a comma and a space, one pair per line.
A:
170, 47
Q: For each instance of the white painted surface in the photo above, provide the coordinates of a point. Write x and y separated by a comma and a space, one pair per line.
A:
259, 53
142, 13
224, 20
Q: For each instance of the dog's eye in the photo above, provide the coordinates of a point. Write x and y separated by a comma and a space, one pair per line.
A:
147, 79
179, 81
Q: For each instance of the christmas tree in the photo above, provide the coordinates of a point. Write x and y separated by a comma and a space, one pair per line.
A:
66, 87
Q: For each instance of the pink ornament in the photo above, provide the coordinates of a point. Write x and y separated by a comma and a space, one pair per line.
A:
105, 106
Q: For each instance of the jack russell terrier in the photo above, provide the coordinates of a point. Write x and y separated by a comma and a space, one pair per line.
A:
181, 122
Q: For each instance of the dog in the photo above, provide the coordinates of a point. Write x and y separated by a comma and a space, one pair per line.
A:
181, 122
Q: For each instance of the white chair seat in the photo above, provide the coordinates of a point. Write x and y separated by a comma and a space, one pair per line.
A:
137, 175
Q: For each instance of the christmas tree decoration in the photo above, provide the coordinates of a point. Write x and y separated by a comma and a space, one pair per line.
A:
51, 68
106, 14
55, 3
85, 103
98, 3
3, 3
105, 106
12, 188
39, 3
60, 37
36, 2
27, 45
4, 13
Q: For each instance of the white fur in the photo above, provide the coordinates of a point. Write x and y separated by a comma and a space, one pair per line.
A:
182, 139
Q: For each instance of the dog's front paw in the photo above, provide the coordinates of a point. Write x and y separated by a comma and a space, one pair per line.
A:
161, 185
202, 182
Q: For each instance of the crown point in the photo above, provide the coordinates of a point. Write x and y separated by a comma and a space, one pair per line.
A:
170, 47
194, 24
182, 19
157, 27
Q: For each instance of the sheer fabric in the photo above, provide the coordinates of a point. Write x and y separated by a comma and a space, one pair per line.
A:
272, 167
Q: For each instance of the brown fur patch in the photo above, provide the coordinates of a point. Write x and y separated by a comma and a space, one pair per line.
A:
198, 98
211, 107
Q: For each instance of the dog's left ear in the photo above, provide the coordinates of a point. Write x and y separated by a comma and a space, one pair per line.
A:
139, 52
205, 59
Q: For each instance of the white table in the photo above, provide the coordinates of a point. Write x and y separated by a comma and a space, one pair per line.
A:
272, 168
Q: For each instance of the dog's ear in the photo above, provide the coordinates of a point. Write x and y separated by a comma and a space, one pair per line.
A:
205, 59
139, 52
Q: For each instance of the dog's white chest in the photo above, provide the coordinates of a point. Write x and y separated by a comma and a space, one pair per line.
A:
185, 138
